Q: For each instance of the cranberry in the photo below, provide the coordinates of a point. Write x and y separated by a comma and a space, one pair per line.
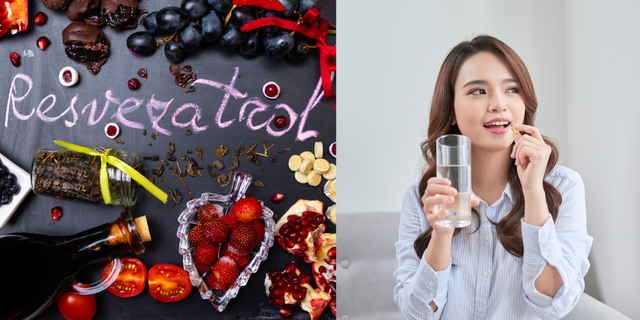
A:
133, 84
111, 130
15, 59
333, 149
43, 42
280, 121
67, 76
271, 90
40, 18
277, 197
56, 213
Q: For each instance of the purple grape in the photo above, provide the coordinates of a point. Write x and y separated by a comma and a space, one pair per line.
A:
242, 15
194, 8
141, 43
300, 51
306, 5
174, 52
221, 6
190, 37
171, 19
279, 46
211, 27
232, 38
151, 25
252, 47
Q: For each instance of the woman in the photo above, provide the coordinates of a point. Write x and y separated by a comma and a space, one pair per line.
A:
525, 254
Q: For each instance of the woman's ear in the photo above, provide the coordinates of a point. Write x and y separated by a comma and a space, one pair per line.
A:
453, 122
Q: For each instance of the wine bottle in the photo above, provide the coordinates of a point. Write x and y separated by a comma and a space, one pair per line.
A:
36, 268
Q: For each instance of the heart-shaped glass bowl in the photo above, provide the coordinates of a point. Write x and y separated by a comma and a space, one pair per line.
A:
189, 219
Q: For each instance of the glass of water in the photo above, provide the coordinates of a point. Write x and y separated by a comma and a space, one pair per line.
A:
453, 161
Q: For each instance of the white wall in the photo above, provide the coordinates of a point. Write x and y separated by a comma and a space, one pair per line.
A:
584, 59
603, 109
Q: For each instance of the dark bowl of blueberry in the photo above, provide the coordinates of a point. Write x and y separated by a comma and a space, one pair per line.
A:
14, 187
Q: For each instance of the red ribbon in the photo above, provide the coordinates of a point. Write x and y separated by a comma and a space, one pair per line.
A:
309, 28
267, 4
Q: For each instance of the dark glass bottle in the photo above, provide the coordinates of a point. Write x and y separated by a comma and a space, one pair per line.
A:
36, 269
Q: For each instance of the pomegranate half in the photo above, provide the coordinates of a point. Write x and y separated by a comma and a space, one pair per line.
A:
324, 269
298, 229
14, 17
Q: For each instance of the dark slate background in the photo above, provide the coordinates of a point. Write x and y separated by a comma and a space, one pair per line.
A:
21, 138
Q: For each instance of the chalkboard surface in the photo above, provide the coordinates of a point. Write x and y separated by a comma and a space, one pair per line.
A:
38, 109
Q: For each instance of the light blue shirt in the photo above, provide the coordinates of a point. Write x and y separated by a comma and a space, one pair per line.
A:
487, 282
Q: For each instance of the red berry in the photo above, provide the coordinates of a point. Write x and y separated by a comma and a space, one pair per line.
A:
271, 90
40, 18
43, 42
15, 59
56, 213
133, 84
280, 121
66, 75
333, 149
277, 197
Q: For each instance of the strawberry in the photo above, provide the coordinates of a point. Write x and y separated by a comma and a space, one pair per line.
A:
243, 237
241, 260
216, 231
230, 220
209, 212
259, 230
204, 256
225, 271
196, 237
247, 209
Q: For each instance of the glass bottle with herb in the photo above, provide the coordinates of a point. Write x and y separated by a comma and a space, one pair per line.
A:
72, 175
40, 267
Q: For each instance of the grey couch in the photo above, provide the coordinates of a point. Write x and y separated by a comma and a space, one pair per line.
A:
366, 262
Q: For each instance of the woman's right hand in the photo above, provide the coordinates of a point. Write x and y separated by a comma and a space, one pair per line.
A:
438, 193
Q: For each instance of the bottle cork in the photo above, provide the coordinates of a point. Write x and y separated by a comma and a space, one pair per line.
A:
143, 228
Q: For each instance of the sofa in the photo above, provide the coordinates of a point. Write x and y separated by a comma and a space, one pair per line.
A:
366, 262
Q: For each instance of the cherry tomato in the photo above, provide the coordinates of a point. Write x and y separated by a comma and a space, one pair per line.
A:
130, 281
75, 306
168, 282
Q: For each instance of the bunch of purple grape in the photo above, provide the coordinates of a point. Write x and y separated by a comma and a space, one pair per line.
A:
200, 23
8, 185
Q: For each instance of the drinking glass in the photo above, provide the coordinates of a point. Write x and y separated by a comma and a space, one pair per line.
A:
453, 161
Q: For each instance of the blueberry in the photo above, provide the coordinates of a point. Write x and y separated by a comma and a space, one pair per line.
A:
12, 177
14, 188
280, 45
6, 183
6, 199
3, 170
190, 37
174, 52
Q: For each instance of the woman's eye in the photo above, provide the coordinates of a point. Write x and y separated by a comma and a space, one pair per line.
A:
513, 90
478, 91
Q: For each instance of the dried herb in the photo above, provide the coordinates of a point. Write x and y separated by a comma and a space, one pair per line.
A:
240, 150
170, 157
164, 180
210, 171
251, 157
164, 162
153, 136
263, 169
189, 132
172, 168
190, 197
183, 174
144, 133
185, 158
154, 157
223, 180
172, 147
199, 152
256, 160
258, 183
187, 68
191, 89
185, 184
142, 72
273, 160
152, 179
68, 174
149, 144
253, 147
265, 140
159, 171
222, 150
218, 165
283, 150
157, 133
236, 163
119, 141
175, 196
192, 168
179, 169
184, 79
189, 151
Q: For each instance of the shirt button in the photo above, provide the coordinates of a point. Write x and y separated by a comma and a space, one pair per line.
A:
543, 240
545, 253
487, 237
432, 294
431, 283
484, 274
480, 309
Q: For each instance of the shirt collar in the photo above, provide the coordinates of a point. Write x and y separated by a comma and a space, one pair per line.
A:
506, 191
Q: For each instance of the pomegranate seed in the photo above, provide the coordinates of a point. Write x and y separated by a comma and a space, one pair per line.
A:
271, 90
56, 213
277, 197
332, 253
40, 18
15, 59
299, 296
322, 269
133, 84
43, 42
285, 313
280, 121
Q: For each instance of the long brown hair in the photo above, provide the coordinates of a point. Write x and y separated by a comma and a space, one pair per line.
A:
442, 115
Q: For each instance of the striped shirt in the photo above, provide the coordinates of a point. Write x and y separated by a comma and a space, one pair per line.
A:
487, 282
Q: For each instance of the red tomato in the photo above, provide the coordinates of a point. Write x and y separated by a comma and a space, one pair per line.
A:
75, 306
130, 281
168, 282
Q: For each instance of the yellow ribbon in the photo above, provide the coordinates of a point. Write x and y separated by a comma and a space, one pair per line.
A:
107, 157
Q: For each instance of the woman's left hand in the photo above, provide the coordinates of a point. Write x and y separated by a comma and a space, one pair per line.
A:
531, 154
